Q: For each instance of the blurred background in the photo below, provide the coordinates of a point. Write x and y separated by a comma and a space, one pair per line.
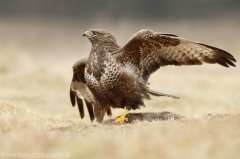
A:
41, 39
55, 27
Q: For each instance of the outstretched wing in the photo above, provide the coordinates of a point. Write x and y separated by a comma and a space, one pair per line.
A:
147, 51
79, 90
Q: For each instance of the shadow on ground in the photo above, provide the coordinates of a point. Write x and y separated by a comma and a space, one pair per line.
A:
146, 116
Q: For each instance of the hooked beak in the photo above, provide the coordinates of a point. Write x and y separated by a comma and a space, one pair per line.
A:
87, 34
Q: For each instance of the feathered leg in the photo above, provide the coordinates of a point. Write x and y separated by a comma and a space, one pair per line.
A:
99, 111
109, 111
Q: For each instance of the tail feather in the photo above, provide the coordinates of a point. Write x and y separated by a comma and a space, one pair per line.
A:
156, 93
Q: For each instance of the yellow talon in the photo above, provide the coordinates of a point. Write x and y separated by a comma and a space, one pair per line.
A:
122, 117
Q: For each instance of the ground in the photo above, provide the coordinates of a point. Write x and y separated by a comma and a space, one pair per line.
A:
36, 114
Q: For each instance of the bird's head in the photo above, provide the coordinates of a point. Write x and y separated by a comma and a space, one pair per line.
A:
99, 35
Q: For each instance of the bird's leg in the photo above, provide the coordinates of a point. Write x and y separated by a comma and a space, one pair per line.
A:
99, 111
122, 117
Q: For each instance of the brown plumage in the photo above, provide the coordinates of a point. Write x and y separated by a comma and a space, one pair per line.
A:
117, 77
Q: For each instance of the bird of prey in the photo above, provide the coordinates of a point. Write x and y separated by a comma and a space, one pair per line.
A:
117, 77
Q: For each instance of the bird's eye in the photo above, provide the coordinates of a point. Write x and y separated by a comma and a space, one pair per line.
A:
94, 32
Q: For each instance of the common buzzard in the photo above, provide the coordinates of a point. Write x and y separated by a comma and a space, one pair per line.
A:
117, 77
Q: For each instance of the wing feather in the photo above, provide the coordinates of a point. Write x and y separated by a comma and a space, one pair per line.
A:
90, 110
147, 51
72, 97
80, 107
79, 90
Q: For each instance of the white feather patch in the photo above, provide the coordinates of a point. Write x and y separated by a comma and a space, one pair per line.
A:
129, 68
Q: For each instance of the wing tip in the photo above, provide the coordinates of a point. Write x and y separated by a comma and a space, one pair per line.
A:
220, 56
90, 110
73, 97
80, 107
224, 61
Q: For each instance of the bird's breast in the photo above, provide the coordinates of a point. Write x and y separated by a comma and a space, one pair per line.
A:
102, 74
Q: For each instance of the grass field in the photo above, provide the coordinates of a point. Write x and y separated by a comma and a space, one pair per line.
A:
36, 115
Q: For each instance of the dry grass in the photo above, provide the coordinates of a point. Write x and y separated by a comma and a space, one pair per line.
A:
36, 114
